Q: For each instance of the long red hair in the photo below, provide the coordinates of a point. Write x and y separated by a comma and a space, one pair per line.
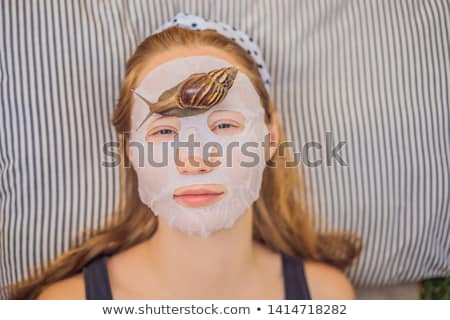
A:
282, 215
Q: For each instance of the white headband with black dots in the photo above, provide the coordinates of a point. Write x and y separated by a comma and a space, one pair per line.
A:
194, 22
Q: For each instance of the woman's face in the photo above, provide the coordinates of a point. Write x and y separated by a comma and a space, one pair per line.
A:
200, 172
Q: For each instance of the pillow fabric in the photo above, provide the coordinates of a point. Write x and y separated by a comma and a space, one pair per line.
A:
362, 88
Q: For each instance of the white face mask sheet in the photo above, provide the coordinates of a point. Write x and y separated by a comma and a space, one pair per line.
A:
240, 170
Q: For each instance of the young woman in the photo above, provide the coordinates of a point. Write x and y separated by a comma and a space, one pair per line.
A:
246, 233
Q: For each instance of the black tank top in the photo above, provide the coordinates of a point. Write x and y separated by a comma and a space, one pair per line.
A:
97, 286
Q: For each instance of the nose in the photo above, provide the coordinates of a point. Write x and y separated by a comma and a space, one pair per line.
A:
192, 159
193, 165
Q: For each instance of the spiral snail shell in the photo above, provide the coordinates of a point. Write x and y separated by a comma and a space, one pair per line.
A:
194, 95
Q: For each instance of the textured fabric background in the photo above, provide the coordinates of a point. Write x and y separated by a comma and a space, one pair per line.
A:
372, 73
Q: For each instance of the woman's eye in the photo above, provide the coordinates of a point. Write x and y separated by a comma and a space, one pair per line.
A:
165, 131
161, 134
224, 125
226, 128
226, 122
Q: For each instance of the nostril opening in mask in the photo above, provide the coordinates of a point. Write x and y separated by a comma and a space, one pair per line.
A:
195, 164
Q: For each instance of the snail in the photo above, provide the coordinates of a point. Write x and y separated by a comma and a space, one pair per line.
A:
194, 95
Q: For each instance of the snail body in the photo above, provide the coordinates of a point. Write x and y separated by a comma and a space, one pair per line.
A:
194, 95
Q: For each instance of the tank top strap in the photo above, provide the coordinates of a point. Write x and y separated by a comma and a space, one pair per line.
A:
295, 283
96, 279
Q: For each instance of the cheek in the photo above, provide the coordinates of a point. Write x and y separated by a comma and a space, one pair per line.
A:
153, 165
241, 160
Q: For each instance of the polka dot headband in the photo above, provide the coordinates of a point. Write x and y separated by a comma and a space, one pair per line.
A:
194, 22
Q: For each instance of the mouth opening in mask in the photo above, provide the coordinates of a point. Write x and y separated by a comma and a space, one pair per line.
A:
199, 195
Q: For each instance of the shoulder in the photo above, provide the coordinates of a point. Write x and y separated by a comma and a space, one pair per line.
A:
71, 288
327, 282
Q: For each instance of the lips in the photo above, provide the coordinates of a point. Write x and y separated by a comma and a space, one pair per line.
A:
199, 196
196, 192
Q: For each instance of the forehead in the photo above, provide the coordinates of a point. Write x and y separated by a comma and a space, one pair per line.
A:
167, 75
